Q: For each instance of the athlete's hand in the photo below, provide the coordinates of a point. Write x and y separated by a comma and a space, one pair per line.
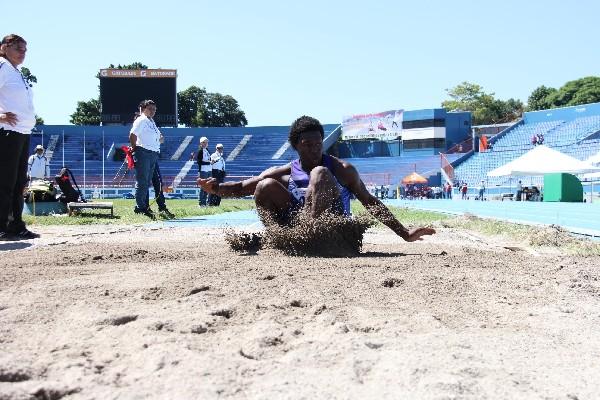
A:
418, 233
209, 185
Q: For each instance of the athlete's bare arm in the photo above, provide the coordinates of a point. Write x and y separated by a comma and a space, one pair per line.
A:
245, 187
349, 177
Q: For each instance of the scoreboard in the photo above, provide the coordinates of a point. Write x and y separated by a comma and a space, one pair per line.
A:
122, 90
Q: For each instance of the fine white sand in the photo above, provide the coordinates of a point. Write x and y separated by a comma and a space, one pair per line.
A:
133, 312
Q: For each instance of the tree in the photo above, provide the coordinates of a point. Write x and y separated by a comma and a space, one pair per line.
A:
28, 76
485, 108
573, 93
134, 65
188, 103
221, 110
538, 99
196, 107
31, 79
87, 113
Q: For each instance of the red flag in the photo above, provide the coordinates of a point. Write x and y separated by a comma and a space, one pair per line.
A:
128, 156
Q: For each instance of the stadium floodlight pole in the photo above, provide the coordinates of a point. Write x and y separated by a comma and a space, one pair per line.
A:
84, 160
103, 156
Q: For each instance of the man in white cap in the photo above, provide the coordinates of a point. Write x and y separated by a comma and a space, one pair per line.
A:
204, 169
37, 165
218, 172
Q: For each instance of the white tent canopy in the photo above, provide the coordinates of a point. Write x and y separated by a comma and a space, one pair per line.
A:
594, 159
543, 160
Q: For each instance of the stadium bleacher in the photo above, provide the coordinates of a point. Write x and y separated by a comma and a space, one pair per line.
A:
565, 130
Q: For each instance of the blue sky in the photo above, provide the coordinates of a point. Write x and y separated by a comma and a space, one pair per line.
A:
323, 58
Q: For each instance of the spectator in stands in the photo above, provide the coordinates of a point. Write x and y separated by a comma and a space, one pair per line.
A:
17, 119
315, 182
37, 165
534, 139
218, 172
144, 139
463, 190
540, 138
481, 190
204, 169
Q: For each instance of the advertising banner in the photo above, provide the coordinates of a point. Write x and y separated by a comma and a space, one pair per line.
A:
138, 73
385, 125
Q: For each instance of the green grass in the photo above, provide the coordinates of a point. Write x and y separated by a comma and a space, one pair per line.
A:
123, 212
407, 216
532, 236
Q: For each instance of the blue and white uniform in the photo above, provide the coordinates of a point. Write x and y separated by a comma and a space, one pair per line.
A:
300, 179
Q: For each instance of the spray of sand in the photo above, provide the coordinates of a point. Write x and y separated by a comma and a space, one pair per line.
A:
329, 235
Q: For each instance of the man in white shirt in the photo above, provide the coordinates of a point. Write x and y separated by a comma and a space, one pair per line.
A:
17, 119
481, 190
204, 169
218, 172
144, 138
519, 190
37, 165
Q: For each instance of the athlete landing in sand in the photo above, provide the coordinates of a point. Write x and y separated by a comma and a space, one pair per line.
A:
314, 184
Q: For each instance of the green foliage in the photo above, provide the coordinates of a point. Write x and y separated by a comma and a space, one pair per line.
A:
196, 107
31, 79
573, 93
28, 76
135, 65
221, 110
87, 113
538, 100
485, 108
189, 103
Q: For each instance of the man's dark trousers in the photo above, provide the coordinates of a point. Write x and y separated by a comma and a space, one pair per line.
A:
219, 175
14, 152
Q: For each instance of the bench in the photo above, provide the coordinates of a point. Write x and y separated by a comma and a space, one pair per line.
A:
73, 206
510, 196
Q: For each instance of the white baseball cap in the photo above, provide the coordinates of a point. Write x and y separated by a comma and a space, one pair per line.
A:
219, 146
39, 147
203, 139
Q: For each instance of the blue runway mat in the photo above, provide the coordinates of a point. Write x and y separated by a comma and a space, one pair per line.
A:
237, 218
581, 218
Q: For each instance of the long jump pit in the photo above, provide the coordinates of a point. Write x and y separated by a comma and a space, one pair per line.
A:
136, 312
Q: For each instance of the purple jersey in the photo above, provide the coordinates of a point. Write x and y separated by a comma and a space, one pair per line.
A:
299, 180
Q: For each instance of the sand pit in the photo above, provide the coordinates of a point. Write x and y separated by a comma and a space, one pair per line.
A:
133, 312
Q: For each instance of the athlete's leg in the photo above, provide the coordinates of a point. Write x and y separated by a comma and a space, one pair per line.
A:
322, 192
272, 200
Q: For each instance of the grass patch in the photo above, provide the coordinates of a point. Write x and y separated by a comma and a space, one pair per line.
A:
533, 236
123, 212
542, 237
407, 216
